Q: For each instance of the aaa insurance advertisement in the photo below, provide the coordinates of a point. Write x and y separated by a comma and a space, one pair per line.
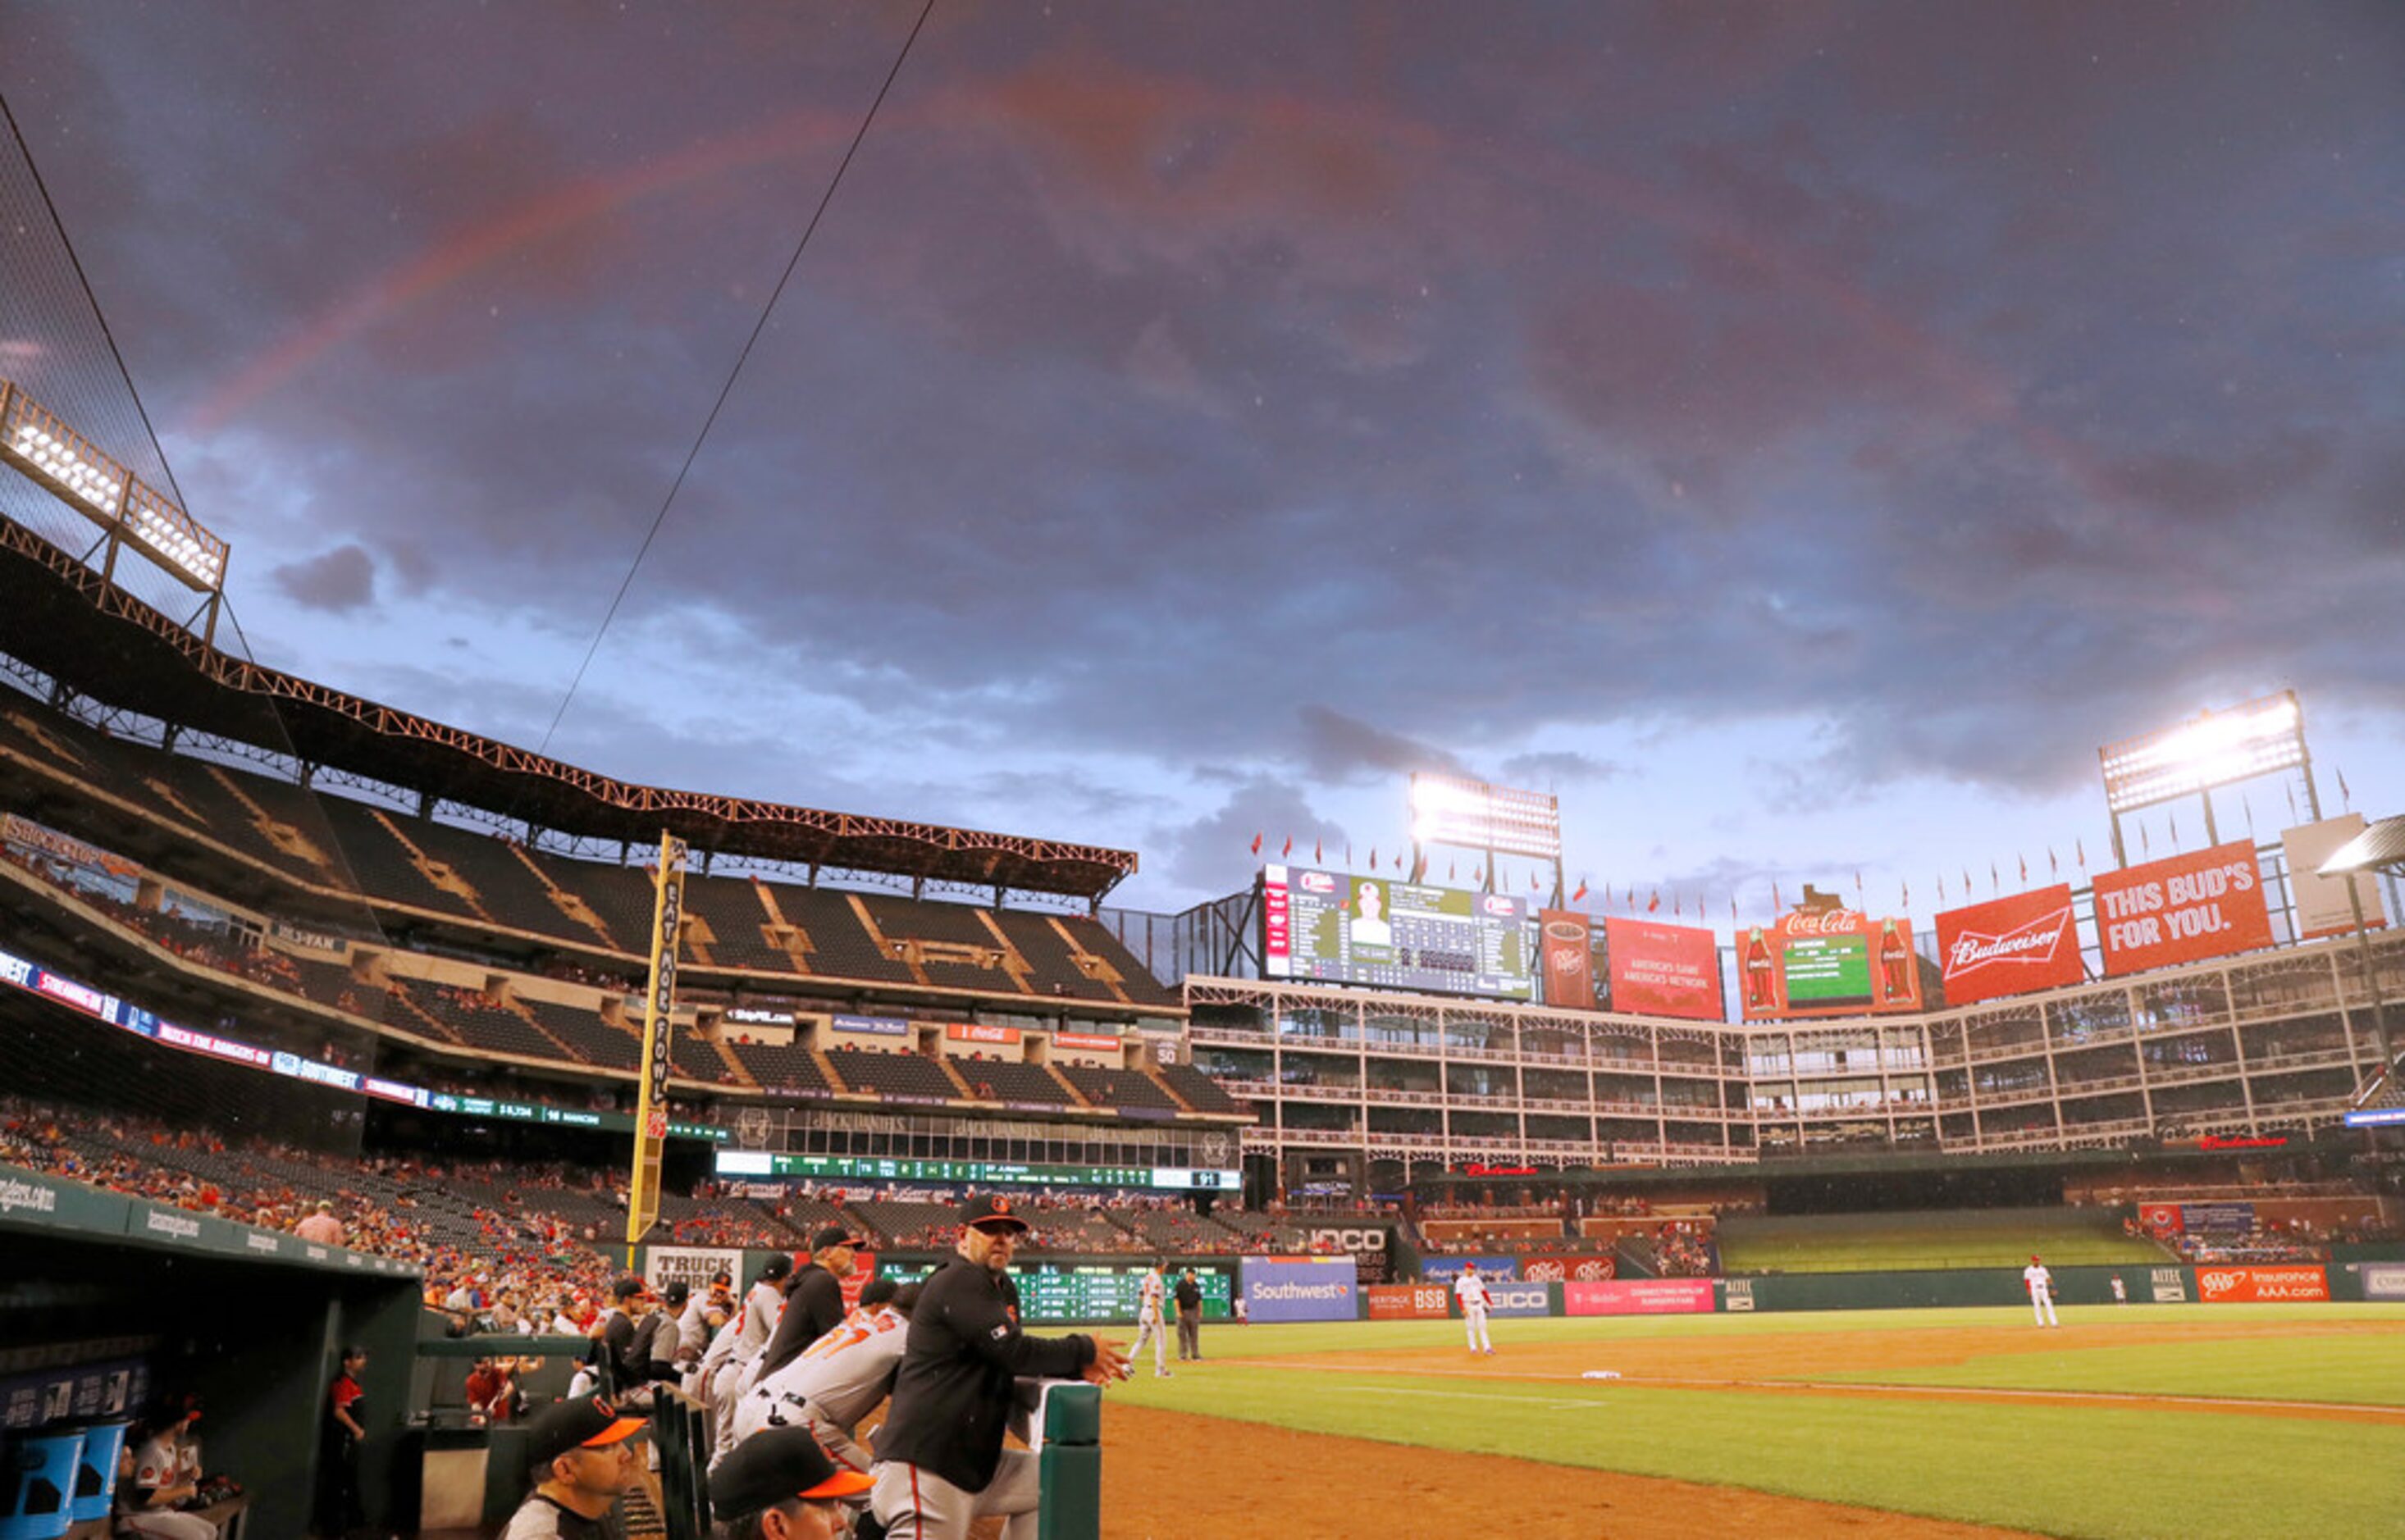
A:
2189, 909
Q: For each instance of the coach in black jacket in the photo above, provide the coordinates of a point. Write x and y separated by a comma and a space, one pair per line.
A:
813, 1298
940, 1462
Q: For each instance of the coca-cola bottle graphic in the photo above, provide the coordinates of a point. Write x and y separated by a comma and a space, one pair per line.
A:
1757, 974
1896, 964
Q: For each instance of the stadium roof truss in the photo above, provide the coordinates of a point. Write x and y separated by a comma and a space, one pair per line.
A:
96, 642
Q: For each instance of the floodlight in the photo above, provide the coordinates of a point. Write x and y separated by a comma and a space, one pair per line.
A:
2217, 748
1457, 810
34, 439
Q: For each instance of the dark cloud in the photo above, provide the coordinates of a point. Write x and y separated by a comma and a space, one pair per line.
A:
1214, 854
1975, 383
337, 582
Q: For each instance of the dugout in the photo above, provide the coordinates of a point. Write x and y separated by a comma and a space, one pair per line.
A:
108, 1303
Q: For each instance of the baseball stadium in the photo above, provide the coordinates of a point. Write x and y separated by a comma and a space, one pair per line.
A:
1450, 1191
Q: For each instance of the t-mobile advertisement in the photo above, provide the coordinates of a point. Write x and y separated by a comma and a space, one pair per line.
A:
1640, 1296
2009, 945
2189, 908
1663, 970
1299, 1288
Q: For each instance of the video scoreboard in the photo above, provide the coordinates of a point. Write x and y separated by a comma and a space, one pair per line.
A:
975, 1173
1088, 1292
1340, 928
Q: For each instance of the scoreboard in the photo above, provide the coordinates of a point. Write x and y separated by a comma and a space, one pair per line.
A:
1341, 929
1095, 1292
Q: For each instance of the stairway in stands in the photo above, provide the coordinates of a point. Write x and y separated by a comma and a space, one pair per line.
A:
438, 874
287, 838
571, 904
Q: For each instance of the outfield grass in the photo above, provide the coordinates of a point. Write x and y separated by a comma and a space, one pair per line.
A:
2105, 1471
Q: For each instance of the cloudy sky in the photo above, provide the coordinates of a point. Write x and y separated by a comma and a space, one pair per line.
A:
1797, 435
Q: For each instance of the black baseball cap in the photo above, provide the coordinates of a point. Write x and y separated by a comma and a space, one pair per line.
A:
678, 1291
590, 1424
629, 1287
833, 1235
778, 1466
993, 1212
775, 1268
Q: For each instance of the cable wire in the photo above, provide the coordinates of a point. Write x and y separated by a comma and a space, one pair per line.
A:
728, 388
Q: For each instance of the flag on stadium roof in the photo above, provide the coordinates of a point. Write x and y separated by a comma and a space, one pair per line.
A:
1582, 890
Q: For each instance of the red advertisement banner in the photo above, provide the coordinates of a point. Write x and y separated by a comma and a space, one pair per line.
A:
2162, 1216
1566, 1267
1832, 962
2187, 908
2232, 1285
2009, 945
1664, 970
1091, 1042
979, 1033
1569, 964
1408, 1301
1640, 1296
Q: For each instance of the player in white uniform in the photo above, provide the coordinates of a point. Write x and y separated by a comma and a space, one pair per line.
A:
837, 1381
2040, 1284
1151, 1296
1471, 1290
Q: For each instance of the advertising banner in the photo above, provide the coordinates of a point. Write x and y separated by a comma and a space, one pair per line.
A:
1640, 1296
694, 1265
2235, 1285
1566, 950
1664, 970
2170, 1285
2009, 945
1831, 962
2187, 908
1409, 1301
2323, 908
1299, 1288
1564, 1268
1367, 1245
872, 1025
1519, 1299
2162, 1216
962, 1031
1086, 1042
2384, 1280
1447, 1268
2226, 1218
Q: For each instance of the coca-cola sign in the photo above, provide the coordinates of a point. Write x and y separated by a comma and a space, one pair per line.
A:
1832, 963
2009, 945
2187, 908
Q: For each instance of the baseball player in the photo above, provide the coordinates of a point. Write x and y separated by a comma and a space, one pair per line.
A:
2041, 1291
1471, 1290
1150, 1297
838, 1379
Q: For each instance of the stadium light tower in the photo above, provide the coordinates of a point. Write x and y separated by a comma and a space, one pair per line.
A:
65, 463
1494, 819
2260, 737
2380, 848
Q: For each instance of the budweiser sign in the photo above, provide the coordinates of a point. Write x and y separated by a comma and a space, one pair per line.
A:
2009, 945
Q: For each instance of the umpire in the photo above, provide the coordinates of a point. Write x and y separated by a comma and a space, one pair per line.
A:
940, 1462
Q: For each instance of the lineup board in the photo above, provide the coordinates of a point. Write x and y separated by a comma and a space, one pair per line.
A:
1092, 1291
1340, 928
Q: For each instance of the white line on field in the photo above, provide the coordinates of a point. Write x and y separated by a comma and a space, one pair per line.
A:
1467, 1395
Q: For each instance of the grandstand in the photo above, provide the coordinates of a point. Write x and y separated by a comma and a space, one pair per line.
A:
1948, 1238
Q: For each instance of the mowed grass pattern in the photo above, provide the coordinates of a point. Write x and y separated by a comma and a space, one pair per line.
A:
2107, 1470
2066, 1238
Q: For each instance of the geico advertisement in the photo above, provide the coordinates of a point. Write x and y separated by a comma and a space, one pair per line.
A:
1518, 1299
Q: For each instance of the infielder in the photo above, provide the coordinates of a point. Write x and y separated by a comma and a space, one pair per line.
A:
2041, 1291
1150, 1296
1471, 1290
838, 1379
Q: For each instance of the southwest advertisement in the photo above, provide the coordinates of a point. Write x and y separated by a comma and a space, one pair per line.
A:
1299, 1288
2189, 909
2009, 945
1663, 970
1832, 962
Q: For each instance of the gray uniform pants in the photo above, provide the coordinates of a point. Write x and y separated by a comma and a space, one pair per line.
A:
917, 1504
1189, 1335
